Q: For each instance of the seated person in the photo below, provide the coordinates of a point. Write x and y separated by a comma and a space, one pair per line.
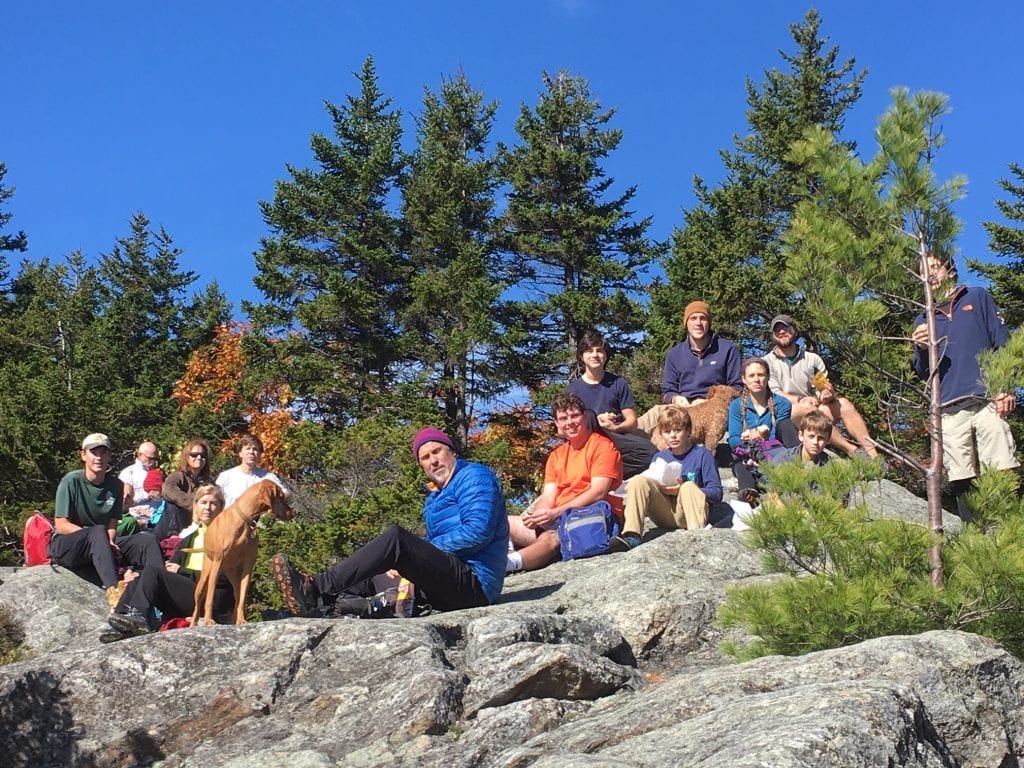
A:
87, 512
610, 398
683, 503
148, 512
170, 587
237, 480
460, 563
193, 470
756, 416
815, 430
582, 470
694, 365
793, 372
133, 476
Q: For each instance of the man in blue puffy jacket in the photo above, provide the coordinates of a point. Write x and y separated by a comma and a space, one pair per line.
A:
460, 563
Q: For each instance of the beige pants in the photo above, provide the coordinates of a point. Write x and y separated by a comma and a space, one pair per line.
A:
688, 509
975, 437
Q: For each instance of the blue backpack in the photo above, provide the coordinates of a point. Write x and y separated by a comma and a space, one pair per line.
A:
586, 531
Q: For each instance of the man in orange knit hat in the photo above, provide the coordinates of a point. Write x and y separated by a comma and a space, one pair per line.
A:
703, 359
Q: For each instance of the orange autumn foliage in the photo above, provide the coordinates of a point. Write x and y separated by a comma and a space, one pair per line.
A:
215, 378
528, 438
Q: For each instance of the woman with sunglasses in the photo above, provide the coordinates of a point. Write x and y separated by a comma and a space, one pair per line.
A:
180, 487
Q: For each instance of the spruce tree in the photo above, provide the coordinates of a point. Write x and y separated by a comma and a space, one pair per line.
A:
448, 216
729, 249
332, 271
576, 252
148, 324
13, 242
1006, 240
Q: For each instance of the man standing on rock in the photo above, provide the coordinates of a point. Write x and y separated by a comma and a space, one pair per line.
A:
584, 469
85, 520
460, 563
974, 429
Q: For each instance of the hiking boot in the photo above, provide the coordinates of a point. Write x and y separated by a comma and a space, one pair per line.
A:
623, 543
749, 496
129, 621
299, 592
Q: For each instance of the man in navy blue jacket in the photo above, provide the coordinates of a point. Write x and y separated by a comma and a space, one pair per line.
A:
703, 359
460, 563
974, 428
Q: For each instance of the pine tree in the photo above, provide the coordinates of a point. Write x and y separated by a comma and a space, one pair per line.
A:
729, 250
1007, 241
576, 252
856, 248
448, 208
332, 272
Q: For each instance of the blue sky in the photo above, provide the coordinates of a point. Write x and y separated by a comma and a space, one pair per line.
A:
189, 111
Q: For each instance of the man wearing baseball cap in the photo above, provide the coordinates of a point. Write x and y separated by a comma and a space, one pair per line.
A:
459, 564
791, 373
89, 502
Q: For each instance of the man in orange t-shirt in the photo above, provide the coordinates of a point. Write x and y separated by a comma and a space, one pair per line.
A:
584, 469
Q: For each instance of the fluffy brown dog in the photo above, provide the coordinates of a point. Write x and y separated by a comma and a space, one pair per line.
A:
710, 418
230, 546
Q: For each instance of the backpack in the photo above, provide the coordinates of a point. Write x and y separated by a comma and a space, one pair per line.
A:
586, 531
36, 539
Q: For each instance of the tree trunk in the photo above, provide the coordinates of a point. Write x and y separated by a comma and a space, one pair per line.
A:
933, 473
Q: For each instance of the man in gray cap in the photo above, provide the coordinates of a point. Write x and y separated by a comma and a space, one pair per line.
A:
89, 503
792, 371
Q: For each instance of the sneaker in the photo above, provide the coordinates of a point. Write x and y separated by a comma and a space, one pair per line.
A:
299, 592
129, 621
624, 543
749, 496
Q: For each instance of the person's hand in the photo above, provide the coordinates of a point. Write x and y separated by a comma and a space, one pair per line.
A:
392, 573
828, 395
809, 399
113, 546
681, 401
130, 575
607, 420
171, 567
750, 434
1005, 403
920, 335
538, 517
670, 490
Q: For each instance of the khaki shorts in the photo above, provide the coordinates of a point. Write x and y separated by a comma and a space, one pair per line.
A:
976, 437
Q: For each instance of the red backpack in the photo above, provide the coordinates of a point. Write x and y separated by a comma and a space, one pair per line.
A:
36, 539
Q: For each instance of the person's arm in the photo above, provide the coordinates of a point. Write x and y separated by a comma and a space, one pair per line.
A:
920, 340
627, 407
735, 423
670, 376
599, 488
176, 490
733, 374
783, 409
710, 480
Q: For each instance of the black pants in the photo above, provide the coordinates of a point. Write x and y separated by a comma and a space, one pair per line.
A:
174, 520
441, 579
173, 594
91, 546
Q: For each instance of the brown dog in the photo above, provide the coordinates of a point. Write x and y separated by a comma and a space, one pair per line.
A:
230, 546
710, 419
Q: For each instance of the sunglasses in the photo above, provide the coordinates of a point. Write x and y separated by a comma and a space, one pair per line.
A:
198, 455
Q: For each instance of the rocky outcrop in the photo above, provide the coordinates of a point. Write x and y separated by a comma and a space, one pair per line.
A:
609, 661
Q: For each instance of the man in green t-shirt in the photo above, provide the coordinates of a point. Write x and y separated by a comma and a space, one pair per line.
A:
86, 516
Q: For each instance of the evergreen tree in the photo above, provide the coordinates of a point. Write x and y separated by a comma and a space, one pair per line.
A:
148, 327
332, 273
729, 250
19, 241
855, 249
1007, 241
448, 207
576, 251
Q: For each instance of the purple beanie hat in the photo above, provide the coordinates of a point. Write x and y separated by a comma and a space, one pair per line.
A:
429, 435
